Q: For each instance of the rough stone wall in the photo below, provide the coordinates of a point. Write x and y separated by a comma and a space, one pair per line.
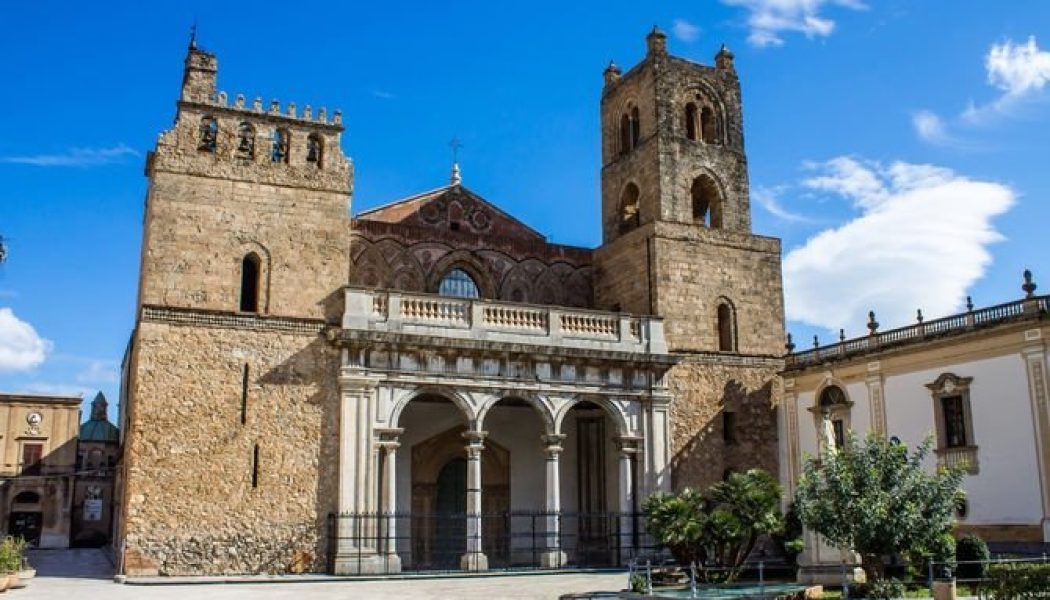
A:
703, 389
191, 507
697, 268
623, 274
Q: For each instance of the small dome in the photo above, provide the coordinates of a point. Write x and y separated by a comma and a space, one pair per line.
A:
99, 431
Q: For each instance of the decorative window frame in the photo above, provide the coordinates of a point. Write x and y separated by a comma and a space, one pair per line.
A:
948, 385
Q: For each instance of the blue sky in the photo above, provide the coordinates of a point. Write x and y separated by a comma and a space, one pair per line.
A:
899, 148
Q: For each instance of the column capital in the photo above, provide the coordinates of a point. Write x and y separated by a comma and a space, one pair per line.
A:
352, 379
388, 435
629, 444
475, 442
552, 444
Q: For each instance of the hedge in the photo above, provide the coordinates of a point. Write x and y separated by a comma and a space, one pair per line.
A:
1010, 581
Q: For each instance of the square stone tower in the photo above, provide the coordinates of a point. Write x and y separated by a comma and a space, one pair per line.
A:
230, 387
677, 242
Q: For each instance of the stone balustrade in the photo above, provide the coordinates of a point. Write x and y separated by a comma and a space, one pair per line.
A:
508, 322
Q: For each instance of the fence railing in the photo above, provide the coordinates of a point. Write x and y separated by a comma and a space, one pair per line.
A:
413, 542
958, 323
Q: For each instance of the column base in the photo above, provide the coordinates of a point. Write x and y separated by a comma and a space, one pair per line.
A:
553, 559
474, 561
366, 564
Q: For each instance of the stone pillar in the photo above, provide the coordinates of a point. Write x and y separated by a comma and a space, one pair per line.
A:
553, 557
356, 523
1035, 360
876, 400
388, 442
474, 559
628, 446
658, 444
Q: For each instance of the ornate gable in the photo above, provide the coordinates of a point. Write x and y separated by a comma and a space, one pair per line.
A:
456, 209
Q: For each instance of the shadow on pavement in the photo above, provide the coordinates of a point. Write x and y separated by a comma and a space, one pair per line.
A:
77, 563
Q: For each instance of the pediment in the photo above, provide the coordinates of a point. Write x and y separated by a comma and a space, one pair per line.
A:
453, 209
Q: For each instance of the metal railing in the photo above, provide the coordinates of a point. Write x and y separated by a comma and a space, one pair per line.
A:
388, 543
953, 324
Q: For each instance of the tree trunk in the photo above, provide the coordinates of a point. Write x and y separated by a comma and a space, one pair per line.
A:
874, 570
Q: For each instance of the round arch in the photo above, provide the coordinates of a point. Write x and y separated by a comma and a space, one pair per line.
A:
461, 402
611, 410
467, 262
707, 96
543, 409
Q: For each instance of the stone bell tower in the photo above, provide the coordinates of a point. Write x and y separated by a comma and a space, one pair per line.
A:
677, 242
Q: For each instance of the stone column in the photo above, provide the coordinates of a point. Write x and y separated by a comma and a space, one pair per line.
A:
553, 557
658, 445
1034, 356
388, 442
628, 447
474, 559
355, 526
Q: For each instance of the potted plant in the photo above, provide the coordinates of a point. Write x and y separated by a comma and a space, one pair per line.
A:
11, 554
23, 570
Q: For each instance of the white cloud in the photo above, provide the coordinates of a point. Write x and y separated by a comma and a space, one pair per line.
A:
685, 31
21, 348
1019, 71
768, 198
99, 371
75, 157
768, 19
920, 240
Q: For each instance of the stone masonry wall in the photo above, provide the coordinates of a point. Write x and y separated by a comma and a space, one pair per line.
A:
703, 390
191, 507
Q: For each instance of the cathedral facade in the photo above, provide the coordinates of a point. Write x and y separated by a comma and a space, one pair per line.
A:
431, 384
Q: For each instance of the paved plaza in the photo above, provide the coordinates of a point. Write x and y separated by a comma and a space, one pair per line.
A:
86, 574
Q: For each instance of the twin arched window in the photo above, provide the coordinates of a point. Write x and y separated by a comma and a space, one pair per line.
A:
630, 130
701, 124
457, 283
251, 269
314, 150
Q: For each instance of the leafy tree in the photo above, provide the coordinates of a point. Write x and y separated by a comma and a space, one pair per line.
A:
878, 499
718, 528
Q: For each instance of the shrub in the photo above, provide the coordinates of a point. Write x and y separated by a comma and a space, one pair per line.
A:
11, 551
1009, 581
971, 549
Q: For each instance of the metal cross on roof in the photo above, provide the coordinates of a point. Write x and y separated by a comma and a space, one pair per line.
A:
455, 144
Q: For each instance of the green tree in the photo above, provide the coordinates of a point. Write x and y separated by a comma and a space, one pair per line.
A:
718, 528
877, 499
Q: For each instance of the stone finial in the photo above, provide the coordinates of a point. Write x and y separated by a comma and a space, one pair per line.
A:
257, 104
842, 335
918, 316
322, 114
724, 59
612, 73
1029, 286
337, 117
969, 304
308, 112
222, 99
275, 107
873, 325
816, 342
239, 102
457, 178
291, 110
656, 42
790, 345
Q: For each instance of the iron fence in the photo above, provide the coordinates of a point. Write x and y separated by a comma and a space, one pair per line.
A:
387, 543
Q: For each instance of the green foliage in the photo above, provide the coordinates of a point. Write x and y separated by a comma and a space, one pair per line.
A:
971, 549
12, 550
790, 539
1018, 581
638, 583
878, 499
881, 589
720, 526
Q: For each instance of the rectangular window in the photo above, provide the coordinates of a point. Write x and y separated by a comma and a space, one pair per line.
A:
32, 454
839, 428
954, 422
255, 466
729, 427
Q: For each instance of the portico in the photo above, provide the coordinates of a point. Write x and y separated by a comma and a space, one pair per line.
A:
503, 433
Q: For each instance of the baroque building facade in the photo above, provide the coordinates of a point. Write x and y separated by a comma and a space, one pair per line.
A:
431, 384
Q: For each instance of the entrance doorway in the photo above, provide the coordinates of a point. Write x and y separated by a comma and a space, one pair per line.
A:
26, 525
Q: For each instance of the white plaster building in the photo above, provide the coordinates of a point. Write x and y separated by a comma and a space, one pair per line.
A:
975, 381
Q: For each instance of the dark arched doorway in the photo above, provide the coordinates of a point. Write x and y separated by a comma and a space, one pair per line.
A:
450, 528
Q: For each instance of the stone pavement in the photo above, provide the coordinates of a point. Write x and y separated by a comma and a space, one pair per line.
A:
85, 574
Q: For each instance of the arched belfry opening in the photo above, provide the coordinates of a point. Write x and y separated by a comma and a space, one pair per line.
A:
630, 214
630, 130
709, 125
692, 122
706, 202
251, 269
